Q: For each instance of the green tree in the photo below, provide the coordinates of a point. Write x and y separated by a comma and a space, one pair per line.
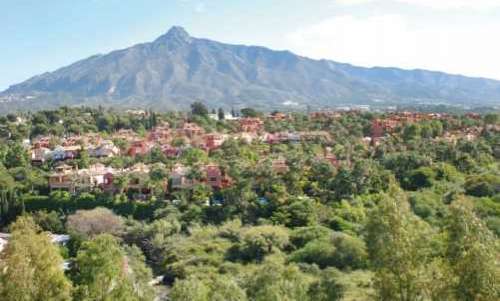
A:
31, 267
300, 212
492, 118
199, 109
483, 185
411, 131
350, 251
472, 252
210, 287
328, 287
259, 241
140, 274
397, 244
16, 156
121, 182
103, 272
422, 177
320, 252
220, 114
273, 281
190, 289
49, 221
84, 160
249, 112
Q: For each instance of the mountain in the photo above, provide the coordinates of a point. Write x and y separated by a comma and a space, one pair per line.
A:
177, 69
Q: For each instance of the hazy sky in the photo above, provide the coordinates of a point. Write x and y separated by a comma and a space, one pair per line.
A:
457, 36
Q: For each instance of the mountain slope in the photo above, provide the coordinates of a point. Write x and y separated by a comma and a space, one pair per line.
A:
177, 69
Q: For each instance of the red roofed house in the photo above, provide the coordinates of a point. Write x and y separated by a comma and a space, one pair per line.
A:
380, 127
42, 142
39, 155
139, 147
159, 133
251, 124
213, 141
192, 129
171, 151
216, 177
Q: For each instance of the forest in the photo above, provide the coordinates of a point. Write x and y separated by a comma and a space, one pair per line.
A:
212, 205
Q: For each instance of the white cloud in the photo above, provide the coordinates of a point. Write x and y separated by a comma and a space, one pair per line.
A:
434, 4
393, 40
199, 7
352, 2
455, 4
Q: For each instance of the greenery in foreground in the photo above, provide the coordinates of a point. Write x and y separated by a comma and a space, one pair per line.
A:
414, 218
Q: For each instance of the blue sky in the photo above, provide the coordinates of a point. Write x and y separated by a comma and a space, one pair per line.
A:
457, 36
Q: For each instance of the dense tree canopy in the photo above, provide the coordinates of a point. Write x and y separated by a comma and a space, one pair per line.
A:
328, 206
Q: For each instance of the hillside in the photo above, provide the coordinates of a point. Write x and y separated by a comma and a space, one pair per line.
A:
177, 69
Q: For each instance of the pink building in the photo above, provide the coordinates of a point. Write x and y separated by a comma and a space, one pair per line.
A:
192, 129
216, 178
251, 125
139, 147
213, 141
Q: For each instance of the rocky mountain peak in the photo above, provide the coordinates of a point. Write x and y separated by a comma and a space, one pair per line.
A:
175, 34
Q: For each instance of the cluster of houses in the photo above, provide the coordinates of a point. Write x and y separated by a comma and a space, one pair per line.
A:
468, 134
390, 123
107, 179
381, 127
71, 148
172, 142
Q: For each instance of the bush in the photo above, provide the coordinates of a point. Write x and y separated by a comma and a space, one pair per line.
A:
350, 252
422, 177
320, 252
299, 213
257, 242
93, 222
301, 236
49, 221
484, 185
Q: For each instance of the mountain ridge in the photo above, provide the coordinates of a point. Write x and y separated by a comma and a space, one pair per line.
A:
176, 69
